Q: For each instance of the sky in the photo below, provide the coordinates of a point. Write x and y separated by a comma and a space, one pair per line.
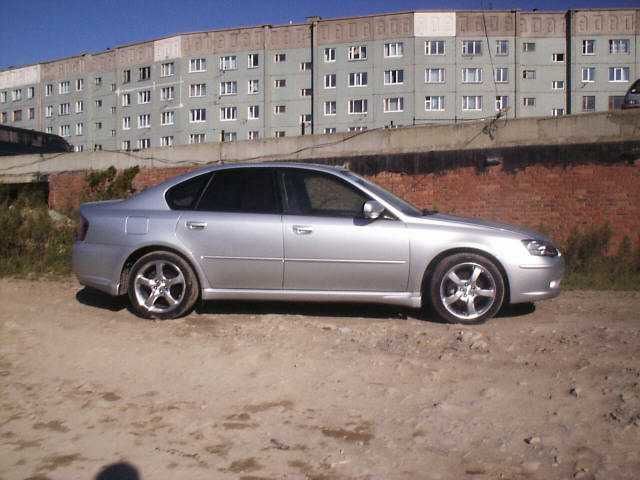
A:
32, 31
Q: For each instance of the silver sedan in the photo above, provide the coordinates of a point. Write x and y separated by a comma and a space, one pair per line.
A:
300, 232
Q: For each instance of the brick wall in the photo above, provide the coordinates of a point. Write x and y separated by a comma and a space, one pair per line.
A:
555, 199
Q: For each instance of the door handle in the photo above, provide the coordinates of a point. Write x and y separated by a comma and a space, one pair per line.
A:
302, 230
196, 225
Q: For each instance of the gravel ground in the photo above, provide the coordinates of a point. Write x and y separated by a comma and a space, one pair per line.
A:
281, 391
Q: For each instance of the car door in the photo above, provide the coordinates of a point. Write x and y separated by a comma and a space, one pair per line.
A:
235, 231
329, 246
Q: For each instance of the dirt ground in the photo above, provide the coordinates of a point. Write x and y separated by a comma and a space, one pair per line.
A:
280, 391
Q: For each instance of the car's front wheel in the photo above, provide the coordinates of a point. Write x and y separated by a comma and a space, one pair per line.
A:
466, 288
162, 285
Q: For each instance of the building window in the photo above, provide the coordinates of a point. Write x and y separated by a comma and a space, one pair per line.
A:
616, 102
16, 95
358, 79
48, 112
253, 112
167, 69
113, 110
79, 127
79, 106
197, 138
228, 88
31, 113
79, 84
64, 130
126, 76
329, 130
166, 141
557, 112
501, 75
434, 47
97, 81
330, 80
529, 101
502, 47
618, 74
17, 115
305, 118
279, 134
280, 57
358, 52
393, 77
502, 103
393, 104
31, 92
47, 130
434, 75
588, 74
198, 65
279, 109
305, 92
359, 128
395, 49
471, 47
529, 74
144, 73
471, 75
253, 135
253, 60
144, 143
198, 90
78, 148
144, 96
557, 57
472, 102
228, 62
358, 107
167, 93
144, 120
589, 103
330, 107
253, 87
98, 103
619, 46
3, 97
304, 66
588, 47
329, 55
280, 83
63, 87
434, 103
529, 47
63, 109
557, 85
48, 90
167, 118
125, 145
113, 133
198, 115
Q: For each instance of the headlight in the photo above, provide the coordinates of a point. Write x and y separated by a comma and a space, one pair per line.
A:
540, 248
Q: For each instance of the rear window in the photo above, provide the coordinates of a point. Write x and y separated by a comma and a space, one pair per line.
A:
185, 195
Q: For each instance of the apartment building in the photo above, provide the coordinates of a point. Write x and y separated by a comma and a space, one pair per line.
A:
328, 76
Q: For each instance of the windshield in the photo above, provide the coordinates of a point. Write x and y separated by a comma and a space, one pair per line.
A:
402, 205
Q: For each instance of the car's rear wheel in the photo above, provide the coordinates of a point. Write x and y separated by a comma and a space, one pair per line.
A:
162, 285
466, 288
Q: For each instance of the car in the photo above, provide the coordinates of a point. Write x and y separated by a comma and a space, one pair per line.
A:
632, 97
303, 232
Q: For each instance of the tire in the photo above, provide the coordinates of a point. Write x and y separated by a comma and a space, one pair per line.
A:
162, 285
466, 288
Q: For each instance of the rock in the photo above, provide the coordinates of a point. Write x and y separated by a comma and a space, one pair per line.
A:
575, 391
532, 440
479, 345
344, 330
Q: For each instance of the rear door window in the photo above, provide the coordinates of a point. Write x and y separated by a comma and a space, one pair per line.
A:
243, 190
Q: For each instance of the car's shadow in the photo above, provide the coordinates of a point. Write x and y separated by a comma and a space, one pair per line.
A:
94, 298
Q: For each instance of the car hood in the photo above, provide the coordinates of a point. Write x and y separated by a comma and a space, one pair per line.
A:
476, 224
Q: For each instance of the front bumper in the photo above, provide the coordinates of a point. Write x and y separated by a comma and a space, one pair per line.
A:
538, 278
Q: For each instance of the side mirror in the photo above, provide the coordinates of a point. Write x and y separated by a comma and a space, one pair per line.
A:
372, 209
